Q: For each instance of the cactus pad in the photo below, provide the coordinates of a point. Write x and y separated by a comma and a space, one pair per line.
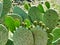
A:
3, 35
20, 12
6, 6
17, 18
40, 36
50, 18
23, 36
34, 14
1, 8
9, 23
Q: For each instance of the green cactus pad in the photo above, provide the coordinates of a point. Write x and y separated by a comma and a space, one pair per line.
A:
6, 6
23, 36
40, 36
17, 18
50, 18
34, 14
1, 8
20, 12
9, 23
3, 35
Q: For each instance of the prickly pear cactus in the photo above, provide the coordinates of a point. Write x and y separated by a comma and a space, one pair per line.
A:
39, 35
3, 35
50, 18
34, 14
6, 6
1, 8
23, 36
19, 11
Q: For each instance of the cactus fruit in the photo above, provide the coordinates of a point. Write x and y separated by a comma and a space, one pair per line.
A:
39, 35
50, 19
19, 11
9, 23
3, 35
28, 23
34, 14
1, 8
6, 7
22, 36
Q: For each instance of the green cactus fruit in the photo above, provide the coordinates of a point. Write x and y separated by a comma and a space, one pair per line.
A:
28, 23
56, 33
6, 6
17, 23
39, 35
9, 23
40, 7
3, 35
22, 36
1, 8
34, 14
19, 11
50, 19
47, 4
17, 18
9, 42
